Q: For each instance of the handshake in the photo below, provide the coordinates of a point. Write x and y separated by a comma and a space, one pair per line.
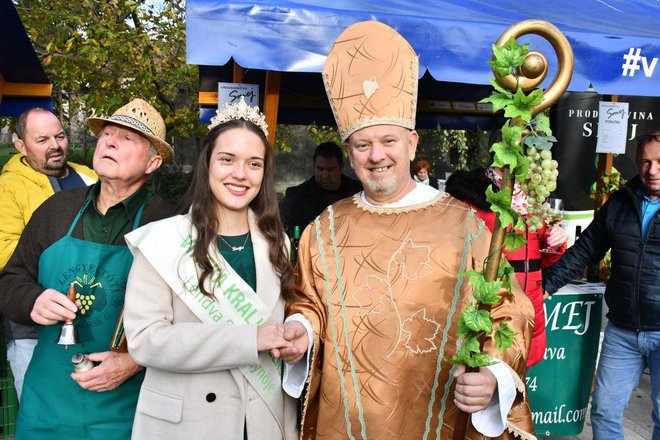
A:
288, 341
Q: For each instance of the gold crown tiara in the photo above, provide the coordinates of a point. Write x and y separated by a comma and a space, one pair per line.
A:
240, 110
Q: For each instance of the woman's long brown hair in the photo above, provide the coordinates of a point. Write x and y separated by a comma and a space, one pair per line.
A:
203, 214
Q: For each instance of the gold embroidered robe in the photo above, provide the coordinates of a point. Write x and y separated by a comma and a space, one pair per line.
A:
381, 290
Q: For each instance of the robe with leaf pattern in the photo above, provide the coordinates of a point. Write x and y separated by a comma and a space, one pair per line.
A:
380, 287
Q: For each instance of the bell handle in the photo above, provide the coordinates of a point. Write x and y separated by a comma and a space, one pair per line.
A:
71, 296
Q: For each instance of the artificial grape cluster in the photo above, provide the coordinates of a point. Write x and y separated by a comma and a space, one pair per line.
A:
541, 180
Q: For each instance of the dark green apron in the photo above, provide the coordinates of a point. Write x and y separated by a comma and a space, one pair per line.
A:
54, 406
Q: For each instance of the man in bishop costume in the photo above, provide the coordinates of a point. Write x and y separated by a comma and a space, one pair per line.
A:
380, 294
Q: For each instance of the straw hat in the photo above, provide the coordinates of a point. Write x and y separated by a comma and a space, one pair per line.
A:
370, 77
138, 115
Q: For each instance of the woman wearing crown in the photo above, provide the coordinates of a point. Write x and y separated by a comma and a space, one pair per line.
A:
204, 301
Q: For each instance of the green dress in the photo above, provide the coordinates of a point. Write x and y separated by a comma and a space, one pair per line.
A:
53, 406
242, 261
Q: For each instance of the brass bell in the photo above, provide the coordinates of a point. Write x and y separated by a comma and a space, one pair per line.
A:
69, 334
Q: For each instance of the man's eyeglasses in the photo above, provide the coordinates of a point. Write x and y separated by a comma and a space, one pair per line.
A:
646, 138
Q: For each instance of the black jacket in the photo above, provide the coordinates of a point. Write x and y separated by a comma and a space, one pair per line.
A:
304, 202
470, 187
633, 291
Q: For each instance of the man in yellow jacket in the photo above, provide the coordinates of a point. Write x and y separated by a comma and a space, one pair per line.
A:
38, 171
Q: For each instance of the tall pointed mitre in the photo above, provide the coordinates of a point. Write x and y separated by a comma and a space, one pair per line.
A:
370, 77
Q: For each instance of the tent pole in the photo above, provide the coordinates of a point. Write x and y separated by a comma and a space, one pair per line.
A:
238, 73
272, 102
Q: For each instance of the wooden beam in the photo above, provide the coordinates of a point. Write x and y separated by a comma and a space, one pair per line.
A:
26, 90
271, 102
605, 161
211, 98
2, 87
238, 74
208, 98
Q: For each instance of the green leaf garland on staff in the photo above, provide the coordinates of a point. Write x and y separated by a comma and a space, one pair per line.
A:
526, 126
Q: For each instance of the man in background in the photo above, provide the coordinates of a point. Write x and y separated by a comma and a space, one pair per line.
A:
303, 203
628, 224
39, 170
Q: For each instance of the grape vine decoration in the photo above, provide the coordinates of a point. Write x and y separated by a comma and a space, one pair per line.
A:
543, 171
525, 151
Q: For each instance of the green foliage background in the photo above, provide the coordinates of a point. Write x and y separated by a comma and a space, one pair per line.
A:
101, 54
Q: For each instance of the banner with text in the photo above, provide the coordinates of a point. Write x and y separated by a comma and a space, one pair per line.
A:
559, 386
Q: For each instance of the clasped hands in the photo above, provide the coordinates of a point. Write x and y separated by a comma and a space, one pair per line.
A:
112, 370
288, 341
474, 391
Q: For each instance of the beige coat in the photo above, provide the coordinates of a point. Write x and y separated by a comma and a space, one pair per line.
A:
193, 388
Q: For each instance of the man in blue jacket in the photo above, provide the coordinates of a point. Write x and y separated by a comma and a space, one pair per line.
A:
629, 225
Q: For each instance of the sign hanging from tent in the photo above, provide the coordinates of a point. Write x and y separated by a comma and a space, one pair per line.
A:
612, 127
230, 93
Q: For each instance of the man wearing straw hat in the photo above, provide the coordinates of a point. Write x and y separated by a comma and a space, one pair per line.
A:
76, 237
380, 291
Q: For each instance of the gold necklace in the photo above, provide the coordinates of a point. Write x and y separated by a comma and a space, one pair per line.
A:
236, 248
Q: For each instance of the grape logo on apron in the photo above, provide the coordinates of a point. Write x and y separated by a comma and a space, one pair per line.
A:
94, 286
84, 293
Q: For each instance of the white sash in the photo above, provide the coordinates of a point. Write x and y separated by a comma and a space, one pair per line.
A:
233, 302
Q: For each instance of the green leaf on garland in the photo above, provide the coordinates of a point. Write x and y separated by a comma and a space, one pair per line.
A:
522, 100
508, 56
481, 360
514, 241
542, 123
512, 134
488, 292
471, 345
464, 354
474, 278
499, 100
468, 349
504, 91
501, 67
504, 273
523, 104
540, 142
505, 269
519, 223
470, 354
500, 202
463, 329
503, 337
513, 111
478, 320
503, 156
522, 168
